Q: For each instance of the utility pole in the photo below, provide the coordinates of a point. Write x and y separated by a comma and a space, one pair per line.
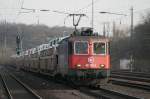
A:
114, 31
38, 21
3, 44
18, 42
131, 22
5, 40
104, 29
131, 43
92, 23
0, 46
108, 29
20, 33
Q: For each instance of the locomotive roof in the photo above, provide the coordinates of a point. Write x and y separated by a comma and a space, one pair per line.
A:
94, 38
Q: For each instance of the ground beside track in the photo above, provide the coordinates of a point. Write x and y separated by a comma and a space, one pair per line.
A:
143, 94
129, 84
51, 90
59, 92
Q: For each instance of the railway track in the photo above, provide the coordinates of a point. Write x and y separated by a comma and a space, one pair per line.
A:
15, 89
135, 74
131, 79
98, 93
101, 93
4, 91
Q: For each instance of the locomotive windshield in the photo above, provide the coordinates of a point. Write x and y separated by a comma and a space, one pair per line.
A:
81, 47
99, 48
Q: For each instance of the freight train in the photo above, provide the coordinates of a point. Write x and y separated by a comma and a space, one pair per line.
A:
80, 56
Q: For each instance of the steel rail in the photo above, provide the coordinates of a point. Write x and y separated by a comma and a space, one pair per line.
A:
26, 87
107, 94
131, 79
134, 78
6, 87
139, 74
131, 84
124, 96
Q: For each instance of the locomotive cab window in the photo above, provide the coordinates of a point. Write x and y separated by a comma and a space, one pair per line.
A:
99, 48
81, 47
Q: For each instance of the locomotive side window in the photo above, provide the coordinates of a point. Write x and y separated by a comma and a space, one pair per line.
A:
99, 48
81, 47
70, 48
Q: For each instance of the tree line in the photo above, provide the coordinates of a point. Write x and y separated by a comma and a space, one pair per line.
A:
31, 36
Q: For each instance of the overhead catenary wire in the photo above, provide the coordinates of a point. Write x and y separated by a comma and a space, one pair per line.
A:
63, 12
23, 10
89, 5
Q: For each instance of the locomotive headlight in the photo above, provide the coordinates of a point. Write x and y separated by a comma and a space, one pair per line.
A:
101, 65
78, 65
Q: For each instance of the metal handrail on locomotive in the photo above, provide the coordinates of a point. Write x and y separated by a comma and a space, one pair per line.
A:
82, 55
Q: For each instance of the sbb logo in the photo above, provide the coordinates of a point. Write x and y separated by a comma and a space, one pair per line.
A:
90, 60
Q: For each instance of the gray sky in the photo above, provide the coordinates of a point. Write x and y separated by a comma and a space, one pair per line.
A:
9, 10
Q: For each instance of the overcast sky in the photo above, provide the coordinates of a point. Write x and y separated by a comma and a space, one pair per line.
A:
9, 10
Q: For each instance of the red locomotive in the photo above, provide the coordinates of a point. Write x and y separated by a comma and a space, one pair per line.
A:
82, 55
90, 56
